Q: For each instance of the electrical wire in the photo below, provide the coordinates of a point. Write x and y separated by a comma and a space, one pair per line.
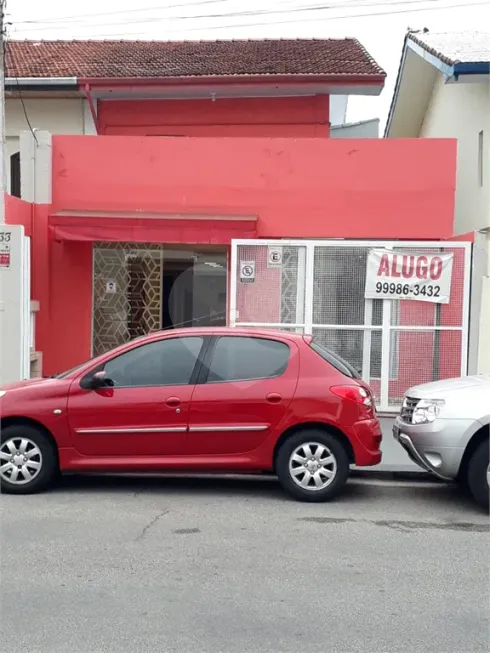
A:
60, 24
344, 17
8, 54
434, 4
124, 11
119, 35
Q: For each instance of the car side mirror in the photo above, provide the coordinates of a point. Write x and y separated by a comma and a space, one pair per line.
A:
101, 380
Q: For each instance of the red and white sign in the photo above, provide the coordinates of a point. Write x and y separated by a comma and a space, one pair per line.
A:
4, 259
5, 249
415, 276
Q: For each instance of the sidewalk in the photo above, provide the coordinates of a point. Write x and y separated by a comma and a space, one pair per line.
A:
395, 459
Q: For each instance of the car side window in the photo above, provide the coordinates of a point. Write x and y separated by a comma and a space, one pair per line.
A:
237, 358
162, 362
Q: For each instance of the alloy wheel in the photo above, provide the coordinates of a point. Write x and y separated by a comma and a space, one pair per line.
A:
20, 461
312, 466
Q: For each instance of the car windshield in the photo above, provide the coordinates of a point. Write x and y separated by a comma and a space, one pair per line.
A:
63, 375
335, 360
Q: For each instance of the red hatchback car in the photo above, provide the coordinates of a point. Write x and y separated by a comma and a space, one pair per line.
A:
202, 400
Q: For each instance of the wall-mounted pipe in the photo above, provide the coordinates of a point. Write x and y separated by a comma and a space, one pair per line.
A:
91, 104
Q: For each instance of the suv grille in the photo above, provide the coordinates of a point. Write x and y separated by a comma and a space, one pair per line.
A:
409, 405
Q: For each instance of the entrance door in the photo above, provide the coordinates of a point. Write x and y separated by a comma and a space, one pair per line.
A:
146, 412
177, 294
248, 389
194, 291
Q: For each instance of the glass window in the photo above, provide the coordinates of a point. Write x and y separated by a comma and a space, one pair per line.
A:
163, 362
238, 358
335, 360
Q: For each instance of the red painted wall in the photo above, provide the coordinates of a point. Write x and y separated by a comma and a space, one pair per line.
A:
18, 212
259, 301
69, 339
298, 188
305, 188
277, 117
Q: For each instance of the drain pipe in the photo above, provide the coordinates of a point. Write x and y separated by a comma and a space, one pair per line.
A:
91, 104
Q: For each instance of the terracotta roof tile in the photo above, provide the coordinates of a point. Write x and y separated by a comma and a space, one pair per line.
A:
126, 59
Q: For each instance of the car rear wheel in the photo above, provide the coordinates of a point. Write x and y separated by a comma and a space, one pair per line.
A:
312, 465
28, 461
477, 475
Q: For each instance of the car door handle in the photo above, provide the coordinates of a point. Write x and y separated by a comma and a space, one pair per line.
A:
273, 398
172, 402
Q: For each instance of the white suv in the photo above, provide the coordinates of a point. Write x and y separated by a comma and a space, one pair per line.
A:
444, 427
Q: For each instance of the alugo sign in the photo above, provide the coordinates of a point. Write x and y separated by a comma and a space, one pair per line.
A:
419, 277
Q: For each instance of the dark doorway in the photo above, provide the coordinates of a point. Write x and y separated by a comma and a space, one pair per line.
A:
177, 294
15, 174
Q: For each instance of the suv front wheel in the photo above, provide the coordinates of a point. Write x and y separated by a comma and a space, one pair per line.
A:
477, 475
312, 465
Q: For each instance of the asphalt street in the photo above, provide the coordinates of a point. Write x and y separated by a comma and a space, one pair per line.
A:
111, 565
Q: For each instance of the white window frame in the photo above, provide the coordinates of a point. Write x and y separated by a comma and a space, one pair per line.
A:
304, 318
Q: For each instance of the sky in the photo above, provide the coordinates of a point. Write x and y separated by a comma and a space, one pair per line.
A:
380, 26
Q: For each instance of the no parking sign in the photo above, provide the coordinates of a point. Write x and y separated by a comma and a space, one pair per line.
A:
274, 257
247, 271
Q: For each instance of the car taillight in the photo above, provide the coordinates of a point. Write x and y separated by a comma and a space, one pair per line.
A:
358, 395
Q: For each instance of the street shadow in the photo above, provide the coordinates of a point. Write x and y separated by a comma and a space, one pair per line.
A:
248, 486
443, 495
368, 493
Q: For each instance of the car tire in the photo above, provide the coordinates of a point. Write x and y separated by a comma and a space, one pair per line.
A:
329, 463
36, 470
477, 475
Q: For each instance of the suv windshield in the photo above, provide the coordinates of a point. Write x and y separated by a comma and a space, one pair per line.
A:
336, 361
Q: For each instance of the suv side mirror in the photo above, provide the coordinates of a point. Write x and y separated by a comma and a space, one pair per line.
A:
101, 380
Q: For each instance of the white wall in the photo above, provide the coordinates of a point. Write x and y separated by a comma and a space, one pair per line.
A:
55, 115
461, 110
484, 336
364, 129
14, 305
338, 109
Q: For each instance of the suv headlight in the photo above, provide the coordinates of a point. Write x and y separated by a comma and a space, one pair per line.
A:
427, 410
2, 393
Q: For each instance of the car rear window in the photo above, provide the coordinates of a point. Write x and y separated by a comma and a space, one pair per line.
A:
335, 361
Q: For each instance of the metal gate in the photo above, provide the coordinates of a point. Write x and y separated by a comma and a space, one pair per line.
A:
317, 287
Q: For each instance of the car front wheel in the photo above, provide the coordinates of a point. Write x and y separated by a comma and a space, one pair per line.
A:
312, 465
477, 475
28, 461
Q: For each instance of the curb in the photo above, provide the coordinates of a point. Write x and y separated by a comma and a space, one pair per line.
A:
390, 475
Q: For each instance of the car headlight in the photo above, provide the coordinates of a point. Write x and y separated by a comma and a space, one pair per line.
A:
427, 410
3, 392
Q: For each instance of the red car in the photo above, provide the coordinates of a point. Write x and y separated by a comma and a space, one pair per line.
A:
202, 400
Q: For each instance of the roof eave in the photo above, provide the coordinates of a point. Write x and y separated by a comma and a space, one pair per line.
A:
475, 68
376, 80
414, 45
448, 69
41, 83
396, 90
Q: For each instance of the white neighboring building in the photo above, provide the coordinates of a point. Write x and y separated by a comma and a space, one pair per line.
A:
443, 91
360, 129
46, 110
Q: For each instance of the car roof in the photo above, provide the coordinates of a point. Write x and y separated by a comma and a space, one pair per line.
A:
233, 331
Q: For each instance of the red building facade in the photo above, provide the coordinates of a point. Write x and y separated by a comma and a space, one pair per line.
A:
184, 165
